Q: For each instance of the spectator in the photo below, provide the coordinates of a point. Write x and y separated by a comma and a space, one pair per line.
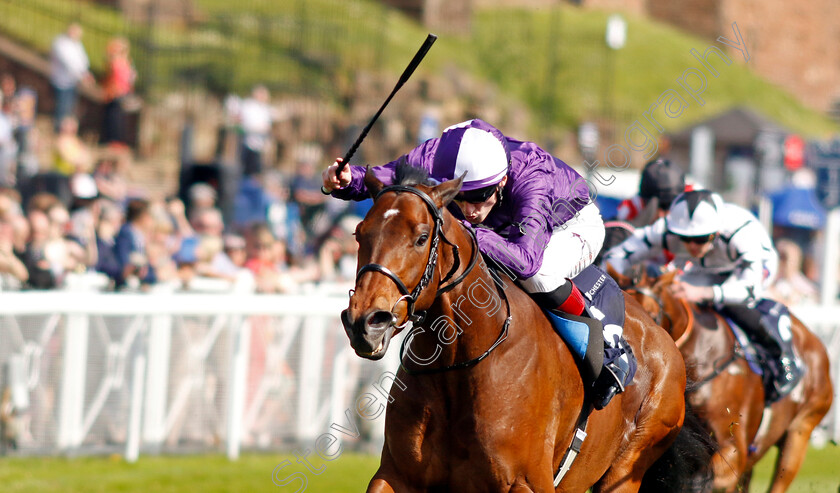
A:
84, 215
110, 179
269, 262
117, 85
306, 193
72, 155
792, 287
130, 245
63, 253
19, 106
8, 149
337, 255
69, 65
110, 220
34, 258
178, 216
165, 242
201, 196
283, 215
13, 272
252, 203
255, 119
26, 104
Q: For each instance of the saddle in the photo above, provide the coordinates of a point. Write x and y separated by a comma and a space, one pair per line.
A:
604, 302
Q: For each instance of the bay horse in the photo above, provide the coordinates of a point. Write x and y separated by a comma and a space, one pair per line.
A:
488, 397
728, 396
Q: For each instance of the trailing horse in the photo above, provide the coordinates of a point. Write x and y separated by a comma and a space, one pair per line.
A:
488, 398
730, 396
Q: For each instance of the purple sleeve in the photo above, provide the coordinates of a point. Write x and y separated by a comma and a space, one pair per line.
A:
421, 156
522, 250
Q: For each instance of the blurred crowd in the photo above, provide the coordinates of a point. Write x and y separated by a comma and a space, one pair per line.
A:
75, 221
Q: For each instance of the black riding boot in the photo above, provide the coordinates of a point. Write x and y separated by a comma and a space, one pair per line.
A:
760, 330
609, 383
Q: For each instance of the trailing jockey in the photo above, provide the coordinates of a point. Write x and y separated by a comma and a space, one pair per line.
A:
729, 260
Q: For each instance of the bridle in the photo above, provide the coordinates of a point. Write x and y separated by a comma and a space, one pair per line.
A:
428, 273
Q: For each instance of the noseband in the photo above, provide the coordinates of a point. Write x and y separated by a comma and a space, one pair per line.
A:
437, 233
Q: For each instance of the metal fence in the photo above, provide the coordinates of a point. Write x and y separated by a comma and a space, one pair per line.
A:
87, 373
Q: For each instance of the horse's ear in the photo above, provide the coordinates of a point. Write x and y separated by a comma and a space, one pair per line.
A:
372, 183
444, 193
668, 277
623, 281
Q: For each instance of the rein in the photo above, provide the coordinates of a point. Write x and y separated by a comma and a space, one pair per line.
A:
717, 366
428, 273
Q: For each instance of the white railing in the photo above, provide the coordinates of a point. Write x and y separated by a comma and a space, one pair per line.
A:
95, 372
130, 373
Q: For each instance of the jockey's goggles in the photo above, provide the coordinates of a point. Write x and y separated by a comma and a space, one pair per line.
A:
697, 240
477, 196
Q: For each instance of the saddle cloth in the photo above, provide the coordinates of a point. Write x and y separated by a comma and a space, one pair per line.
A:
604, 302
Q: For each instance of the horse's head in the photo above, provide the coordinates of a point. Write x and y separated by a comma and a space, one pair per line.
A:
649, 289
397, 273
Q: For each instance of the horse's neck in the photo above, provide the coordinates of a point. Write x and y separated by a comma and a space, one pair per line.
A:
682, 321
477, 310
465, 321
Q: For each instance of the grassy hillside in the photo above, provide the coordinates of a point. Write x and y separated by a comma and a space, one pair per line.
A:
554, 61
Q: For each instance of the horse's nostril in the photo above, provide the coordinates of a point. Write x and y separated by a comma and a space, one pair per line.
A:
379, 320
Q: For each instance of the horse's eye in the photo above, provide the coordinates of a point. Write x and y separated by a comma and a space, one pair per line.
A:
422, 240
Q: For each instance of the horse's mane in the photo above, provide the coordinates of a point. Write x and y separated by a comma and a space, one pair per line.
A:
408, 175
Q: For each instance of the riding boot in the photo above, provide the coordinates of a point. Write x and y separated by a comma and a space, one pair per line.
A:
617, 375
760, 329
789, 366
609, 383
565, 299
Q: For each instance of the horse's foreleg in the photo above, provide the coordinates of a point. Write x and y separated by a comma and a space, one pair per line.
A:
791, 454
744, 484
727, 464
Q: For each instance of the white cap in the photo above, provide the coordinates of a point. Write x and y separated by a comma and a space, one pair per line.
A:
695, 213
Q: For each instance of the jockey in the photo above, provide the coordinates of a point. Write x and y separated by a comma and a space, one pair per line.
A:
730, 260
531, 212
660, 179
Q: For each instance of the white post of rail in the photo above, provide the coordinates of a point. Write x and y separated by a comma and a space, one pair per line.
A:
831, 258
157, 379
240, 354
309, 385
132, 443
73, 373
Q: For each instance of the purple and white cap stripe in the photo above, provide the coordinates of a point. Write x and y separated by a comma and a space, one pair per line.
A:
477, 149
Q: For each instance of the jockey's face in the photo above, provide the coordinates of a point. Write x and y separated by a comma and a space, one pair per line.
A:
477, 212
698, 247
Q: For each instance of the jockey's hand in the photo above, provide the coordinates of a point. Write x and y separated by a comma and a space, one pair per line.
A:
691, 293
332, 182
